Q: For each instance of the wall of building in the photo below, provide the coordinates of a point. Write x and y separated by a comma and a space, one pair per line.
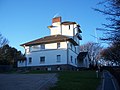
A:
68, 30
50, 53
55, 30
54, 45
72, 57
50, 57
30, 49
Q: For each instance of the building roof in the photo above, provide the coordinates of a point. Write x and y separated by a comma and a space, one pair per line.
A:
49, 39
68, 23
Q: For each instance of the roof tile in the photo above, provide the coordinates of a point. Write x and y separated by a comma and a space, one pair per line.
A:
49, 39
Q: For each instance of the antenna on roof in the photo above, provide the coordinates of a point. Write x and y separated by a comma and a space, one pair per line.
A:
57, 14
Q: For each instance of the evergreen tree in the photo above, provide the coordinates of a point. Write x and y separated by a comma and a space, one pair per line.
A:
10, 56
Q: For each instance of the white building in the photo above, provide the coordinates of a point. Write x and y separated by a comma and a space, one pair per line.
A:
58, 51
83, 60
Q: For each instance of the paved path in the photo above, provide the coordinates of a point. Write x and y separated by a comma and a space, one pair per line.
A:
27, 81
108, 82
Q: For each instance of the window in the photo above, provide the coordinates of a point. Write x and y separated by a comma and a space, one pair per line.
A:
36, 47
42, 46
71, 45
58, 58
58, 45
75, 61
30, 60
71, 59
42, 59
69, 27
75, 49
29, 49
21, 61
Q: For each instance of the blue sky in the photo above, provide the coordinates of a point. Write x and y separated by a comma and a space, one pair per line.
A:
25, 20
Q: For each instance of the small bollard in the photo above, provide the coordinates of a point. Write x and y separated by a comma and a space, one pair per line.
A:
97, 73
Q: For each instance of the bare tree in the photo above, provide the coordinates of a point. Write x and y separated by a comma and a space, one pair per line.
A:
93, 50
3, 40
111, 9
111, 53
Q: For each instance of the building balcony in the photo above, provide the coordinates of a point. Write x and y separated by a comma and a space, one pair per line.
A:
79, 30
79, 36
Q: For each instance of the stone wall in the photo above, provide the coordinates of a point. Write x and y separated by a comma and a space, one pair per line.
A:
63, 67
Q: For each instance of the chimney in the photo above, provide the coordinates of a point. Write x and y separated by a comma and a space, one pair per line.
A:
56, 19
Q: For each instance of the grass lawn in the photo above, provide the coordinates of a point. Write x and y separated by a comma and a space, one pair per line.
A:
82, 80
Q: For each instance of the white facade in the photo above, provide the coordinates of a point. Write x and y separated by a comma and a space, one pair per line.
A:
61, 51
